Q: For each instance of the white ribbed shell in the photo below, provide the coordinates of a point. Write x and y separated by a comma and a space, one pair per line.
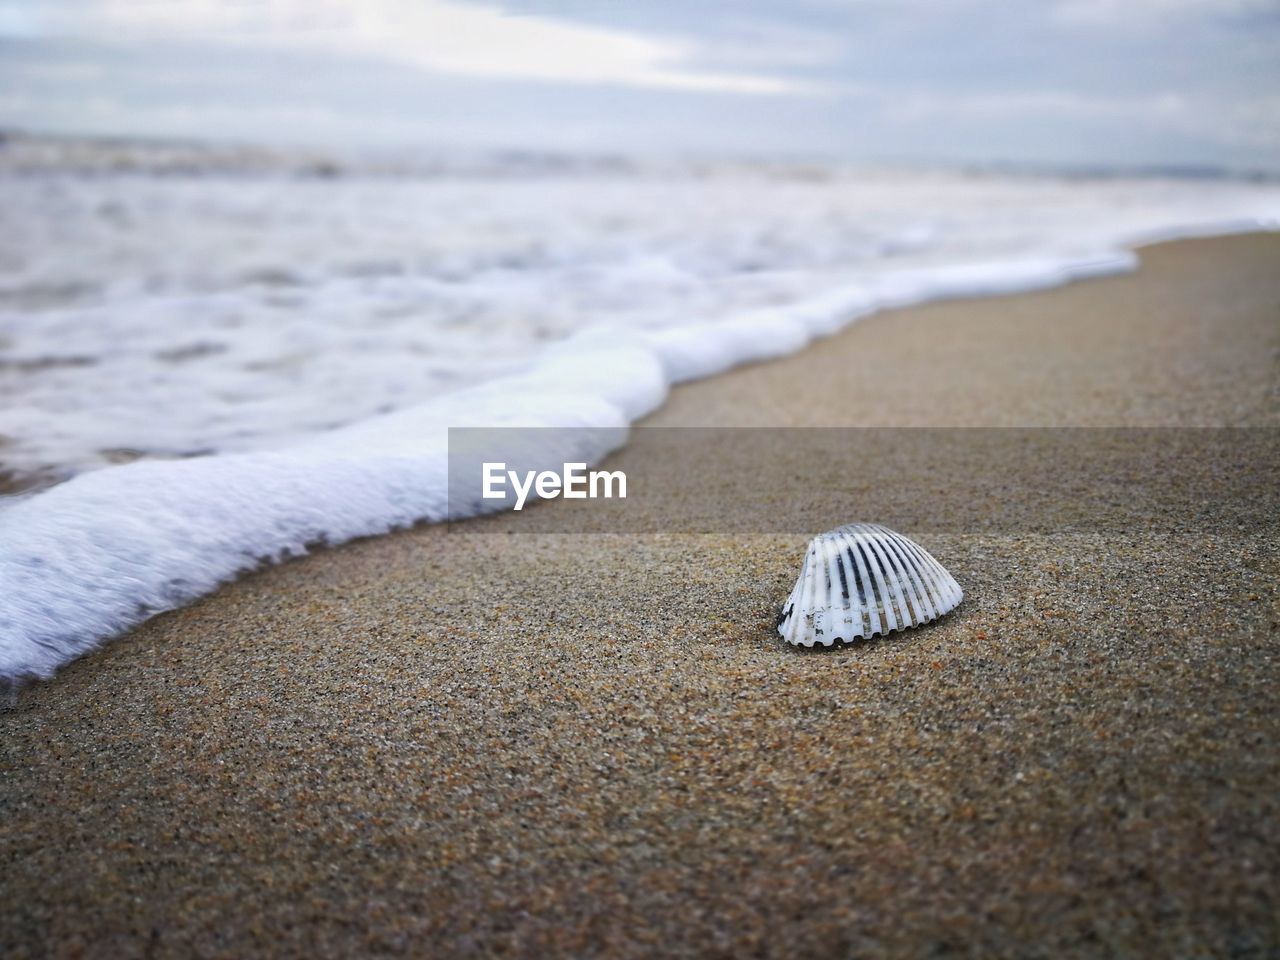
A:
864, 580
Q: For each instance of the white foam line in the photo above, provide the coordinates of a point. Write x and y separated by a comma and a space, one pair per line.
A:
104, 551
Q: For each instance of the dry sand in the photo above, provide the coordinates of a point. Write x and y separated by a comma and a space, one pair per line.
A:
488, 741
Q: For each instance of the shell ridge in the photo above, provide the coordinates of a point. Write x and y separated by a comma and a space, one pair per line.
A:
924, 604
805, 618
830, 620
927, 610
954, 593
842, 603
870, 616
814, 618
948, 588
906, 580
936, 574
902, 617
883, 611
797, 600
861, 584
835, 612
857, 609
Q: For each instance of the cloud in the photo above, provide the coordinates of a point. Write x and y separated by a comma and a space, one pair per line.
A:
1095, 80
1147, 13
439, 36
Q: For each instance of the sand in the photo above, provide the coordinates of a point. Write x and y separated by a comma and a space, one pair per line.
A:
480, 740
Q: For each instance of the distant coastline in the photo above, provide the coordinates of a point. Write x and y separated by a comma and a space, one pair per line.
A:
27, 152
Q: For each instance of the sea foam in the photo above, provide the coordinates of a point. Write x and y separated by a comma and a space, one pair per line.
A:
302, 382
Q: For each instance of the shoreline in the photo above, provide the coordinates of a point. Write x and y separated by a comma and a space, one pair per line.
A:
446, 740
368, 492
1021, 328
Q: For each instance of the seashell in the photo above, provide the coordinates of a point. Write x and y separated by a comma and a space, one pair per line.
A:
864, 580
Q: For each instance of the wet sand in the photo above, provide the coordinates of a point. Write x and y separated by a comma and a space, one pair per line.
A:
479, 740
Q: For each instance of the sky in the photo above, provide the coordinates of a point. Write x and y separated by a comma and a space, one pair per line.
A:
1118, 82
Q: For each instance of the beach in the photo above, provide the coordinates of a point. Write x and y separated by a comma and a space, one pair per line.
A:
481, 740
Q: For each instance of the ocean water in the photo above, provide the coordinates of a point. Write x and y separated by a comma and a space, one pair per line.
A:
201, 371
